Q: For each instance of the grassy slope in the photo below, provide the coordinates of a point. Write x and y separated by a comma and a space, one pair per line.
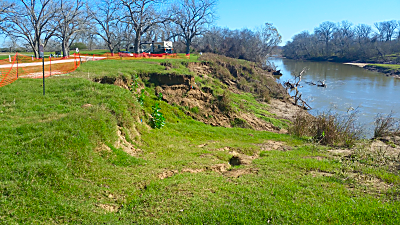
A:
52, 170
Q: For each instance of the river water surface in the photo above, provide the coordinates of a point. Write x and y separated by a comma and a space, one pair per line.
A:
347, 86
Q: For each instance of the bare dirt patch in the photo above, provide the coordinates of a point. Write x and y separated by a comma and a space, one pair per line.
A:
108, 207
320, 174
167, 174
284, 109
340, 152
385, 149
235, 173
200, 68
274, 145
370, 183
102, 147
125, 145
189, 170
241, 159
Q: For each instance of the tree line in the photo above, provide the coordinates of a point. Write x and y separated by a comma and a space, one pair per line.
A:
345, 42
253, 45
119, 24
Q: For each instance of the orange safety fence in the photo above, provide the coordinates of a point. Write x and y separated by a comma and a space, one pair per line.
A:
22, 66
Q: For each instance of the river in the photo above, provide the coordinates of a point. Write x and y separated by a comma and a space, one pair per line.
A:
347, 87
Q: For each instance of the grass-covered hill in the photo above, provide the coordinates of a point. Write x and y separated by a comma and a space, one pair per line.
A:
87, 152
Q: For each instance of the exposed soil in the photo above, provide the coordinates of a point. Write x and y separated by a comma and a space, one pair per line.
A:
284, 109
386, 71
235, 173
167, 174
274, 145
369, 183
108, 207
118, 81
124, 144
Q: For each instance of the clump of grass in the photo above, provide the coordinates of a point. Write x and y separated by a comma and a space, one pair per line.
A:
386, 125
328, 128
224, 102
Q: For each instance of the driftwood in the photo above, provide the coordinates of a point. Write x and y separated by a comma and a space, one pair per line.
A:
322, 83
296, 85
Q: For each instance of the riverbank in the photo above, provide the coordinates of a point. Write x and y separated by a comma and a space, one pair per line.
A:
87, 152
387, 69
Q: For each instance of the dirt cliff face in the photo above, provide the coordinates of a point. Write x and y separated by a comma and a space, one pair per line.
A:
171, 79
208, 100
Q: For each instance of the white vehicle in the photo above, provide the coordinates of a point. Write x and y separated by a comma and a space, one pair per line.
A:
157, 47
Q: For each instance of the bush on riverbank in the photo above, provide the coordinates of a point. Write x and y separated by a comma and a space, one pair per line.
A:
328, 128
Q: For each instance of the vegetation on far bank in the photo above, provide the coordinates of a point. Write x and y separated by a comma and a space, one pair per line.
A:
85, 153
345, 42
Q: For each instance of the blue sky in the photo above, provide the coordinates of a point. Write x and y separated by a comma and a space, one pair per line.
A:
293, 16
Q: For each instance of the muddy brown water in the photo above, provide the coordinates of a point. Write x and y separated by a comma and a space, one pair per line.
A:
347, 87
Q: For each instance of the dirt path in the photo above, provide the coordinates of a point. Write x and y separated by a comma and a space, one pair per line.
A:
88, 58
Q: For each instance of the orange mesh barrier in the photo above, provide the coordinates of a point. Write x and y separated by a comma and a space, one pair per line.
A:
22, 66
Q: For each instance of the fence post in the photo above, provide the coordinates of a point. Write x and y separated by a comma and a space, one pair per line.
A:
16, 56
43, 75
50, 64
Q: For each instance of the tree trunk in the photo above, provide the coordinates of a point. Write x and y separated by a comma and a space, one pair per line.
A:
188, 47
65, 49
111, 48
137, 42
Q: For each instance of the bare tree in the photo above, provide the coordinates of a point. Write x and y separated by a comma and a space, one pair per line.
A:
105, 15
5, 8
33, 21
386, 29
71, 20
269, 37
192, 18
325, 32
142, 15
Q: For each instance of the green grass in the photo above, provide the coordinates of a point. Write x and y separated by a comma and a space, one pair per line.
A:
129, 68
59, 163
392, 67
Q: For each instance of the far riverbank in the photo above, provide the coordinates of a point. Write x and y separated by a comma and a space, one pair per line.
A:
387, 69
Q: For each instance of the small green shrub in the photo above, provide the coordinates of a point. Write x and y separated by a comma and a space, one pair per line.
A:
239, 122
140, 97
160, 96
135, 83
157, 119
195, 110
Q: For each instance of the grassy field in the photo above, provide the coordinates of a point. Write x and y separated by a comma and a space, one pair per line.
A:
66, 162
